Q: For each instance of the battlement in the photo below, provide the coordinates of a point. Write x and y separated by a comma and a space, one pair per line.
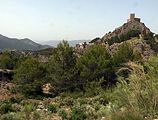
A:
133, 18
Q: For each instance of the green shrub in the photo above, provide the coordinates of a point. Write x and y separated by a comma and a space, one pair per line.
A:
63, 114
68, 101
52, 108
61, 68
124, 54
139, 91
78, 114
29, 77
123, 37
27, 110
16, 99
94, 64
13, 90
82, 101
5, 107
6, 60
94, 88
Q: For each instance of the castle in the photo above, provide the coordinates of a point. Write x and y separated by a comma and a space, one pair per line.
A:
132, 18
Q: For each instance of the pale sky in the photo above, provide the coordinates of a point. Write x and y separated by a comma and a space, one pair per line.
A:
43, 20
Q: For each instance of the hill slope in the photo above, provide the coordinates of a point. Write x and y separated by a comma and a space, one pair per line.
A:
19, 44
133, 32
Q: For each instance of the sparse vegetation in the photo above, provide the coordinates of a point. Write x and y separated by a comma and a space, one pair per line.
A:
123, 37
102, 83
52, 108
85, 87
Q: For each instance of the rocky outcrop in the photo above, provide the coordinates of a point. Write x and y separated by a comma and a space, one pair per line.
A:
133, 24
144, 48
139, 45
136, 26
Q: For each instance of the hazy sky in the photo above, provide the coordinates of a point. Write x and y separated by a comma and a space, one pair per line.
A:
43, 20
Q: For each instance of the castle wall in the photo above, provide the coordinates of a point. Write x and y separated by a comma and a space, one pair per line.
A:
137, 19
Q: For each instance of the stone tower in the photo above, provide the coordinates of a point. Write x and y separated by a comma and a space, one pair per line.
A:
133, 18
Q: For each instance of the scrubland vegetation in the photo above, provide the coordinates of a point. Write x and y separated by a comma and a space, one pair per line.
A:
92, 86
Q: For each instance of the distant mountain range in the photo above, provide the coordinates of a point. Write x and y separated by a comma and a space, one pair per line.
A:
19, 44
7, 43
72, 43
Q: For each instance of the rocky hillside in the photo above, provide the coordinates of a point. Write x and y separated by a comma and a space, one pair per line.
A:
134, 32
131, 26
138, 45
19, 44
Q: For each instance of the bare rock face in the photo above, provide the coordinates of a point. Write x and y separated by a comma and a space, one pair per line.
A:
144, 48
140, 46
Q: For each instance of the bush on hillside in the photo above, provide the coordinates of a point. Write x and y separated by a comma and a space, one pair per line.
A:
125, 53
61, 68
78, 114
5, 107
52, 108
6, 60
29, 77
139, 91
94, 64
123, 37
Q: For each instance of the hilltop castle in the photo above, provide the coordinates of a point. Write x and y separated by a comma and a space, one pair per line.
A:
133, 18
132, 28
